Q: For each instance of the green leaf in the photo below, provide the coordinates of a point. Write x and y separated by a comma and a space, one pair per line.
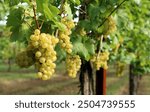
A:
20, 33
89, 45
40, 4
61, 54
51, 12
54, 10
60, 25
13, 2
68, 11
80, 49
47, 12
137, 1
27, 1
85, 24
75, 2
15, 17
102, 9
93, 11
115, 40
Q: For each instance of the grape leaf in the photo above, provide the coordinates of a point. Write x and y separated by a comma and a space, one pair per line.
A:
60, 25
15, 17
68, 11
54, 10
51, 12
48, 13
20, 33
40, 5
27, 1
80, 49
13, 2
75, 2
89, 45
61, 54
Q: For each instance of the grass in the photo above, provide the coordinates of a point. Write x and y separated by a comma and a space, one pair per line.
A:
24, 82
117, 86
144, 87
15, 68
12, 76
58, 85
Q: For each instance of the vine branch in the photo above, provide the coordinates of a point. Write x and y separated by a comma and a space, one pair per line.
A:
35, 17
112, 12
62, 6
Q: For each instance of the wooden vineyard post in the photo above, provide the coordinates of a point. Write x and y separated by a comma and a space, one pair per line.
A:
101, 82
86, 79
132, 81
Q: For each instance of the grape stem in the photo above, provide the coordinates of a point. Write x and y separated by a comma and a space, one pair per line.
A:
101, 43
35, 18
56, 34
100, 46
112, 12
62, 6
41, 25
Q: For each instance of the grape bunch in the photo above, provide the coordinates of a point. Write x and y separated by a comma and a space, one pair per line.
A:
45, 55
109, 26
120, 69
41, 46
82, 32
64, 35
100, 60
73, 64
25, 59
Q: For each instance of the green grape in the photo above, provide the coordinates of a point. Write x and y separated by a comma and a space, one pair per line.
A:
37, 32
42, 60
54, 58
49, 73
100, 60
40, 52
109, 26
73, 64
44, 45
69, 51
120, 69
45, 77
48, 62
35, 44
23, 60
82, 32
64, 35
39, 74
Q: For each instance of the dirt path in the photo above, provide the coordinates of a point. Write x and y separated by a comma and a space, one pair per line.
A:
61, 85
